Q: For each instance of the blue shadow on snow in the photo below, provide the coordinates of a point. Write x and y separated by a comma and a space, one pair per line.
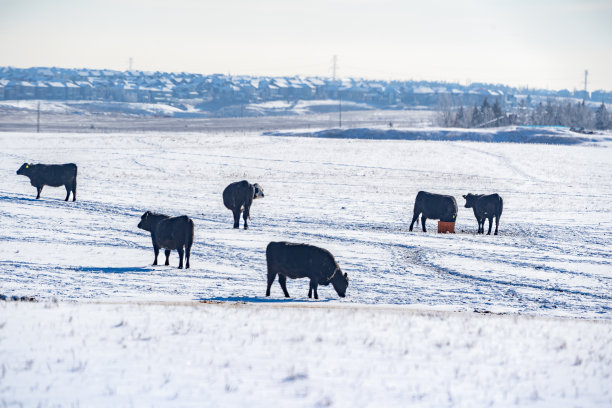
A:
250, 299
97, 269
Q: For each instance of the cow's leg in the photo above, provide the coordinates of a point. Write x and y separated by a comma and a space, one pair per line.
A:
167, 257
156, 251
187, 255
236, 218
74, 190
180, 252
68, 189
245, 216
496, 223
313, 288
490, 225
414, 218
271, 277
38, 191
282, 279
481, 225
423, 219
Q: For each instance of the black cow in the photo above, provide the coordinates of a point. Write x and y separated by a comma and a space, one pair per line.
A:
304, 261
485, 206
169, 233
53, 175
435, 206
238, 197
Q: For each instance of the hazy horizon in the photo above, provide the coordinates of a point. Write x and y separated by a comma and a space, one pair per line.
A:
545, 44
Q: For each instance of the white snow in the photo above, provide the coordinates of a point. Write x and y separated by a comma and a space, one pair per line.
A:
105, 343
193, 355
88, 107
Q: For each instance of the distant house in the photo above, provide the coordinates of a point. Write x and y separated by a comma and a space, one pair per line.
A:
601, 96
19, 90
85, 90
581, 94
57, 90
42, 90
73, 92
3, 83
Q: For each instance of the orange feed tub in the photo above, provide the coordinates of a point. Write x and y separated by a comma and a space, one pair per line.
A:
444, 226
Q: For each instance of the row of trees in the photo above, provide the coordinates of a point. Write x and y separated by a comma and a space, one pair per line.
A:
553, 113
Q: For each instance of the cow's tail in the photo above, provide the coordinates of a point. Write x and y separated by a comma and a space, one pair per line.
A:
190, 233
418, 220
501, 207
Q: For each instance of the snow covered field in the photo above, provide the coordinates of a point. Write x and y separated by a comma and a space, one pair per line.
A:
381, 345
143, 355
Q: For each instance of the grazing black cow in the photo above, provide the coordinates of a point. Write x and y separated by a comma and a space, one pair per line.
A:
238, 197
53, 175
435, 206
304, 261
485, 206
169, 233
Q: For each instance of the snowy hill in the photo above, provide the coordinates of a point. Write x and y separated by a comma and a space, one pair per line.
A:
508, 134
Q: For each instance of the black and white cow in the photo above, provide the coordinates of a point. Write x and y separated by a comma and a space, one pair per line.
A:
238, 198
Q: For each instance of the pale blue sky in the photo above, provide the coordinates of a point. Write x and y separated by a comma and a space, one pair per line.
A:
546, 44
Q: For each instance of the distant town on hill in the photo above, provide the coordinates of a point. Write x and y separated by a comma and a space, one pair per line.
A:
211, 92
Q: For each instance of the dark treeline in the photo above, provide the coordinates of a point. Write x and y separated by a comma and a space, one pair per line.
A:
552, 113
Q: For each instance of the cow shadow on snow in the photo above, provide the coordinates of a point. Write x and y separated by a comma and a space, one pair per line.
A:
252, 299
101, 269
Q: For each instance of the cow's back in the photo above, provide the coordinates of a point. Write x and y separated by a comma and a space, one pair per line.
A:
54, 175
174, 232
299, 260
436, 206
491, 204
236, 194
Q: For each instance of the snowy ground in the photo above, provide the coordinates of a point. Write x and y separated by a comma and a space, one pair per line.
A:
237, 355
550, 264
89, 117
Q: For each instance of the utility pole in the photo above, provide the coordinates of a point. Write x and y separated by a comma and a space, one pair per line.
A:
339, 110
586, 74
334, 63
38, 119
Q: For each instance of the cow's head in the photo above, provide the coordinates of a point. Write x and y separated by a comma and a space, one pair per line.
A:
145, 221
258, 191
470, 200
25, 169
340, 282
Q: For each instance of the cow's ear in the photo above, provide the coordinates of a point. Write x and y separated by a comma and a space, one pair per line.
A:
346, 275
465, 197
